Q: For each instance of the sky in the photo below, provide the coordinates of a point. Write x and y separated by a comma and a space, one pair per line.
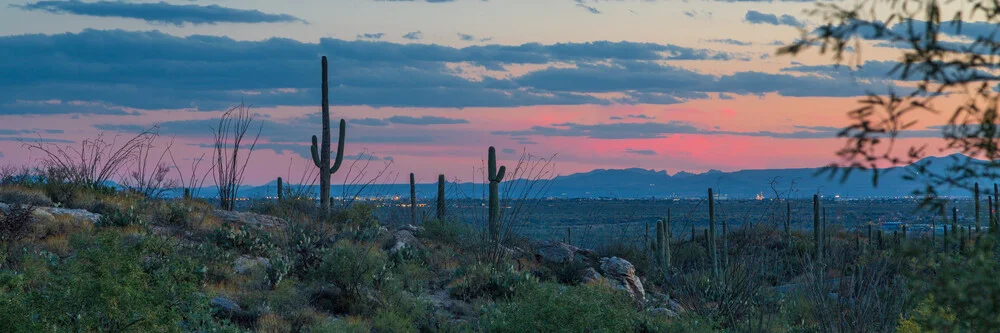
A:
428, 85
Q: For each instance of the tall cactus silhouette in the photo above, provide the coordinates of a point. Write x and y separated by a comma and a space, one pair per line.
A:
975, 197
413, 200
666, 241
440, 199
710, 237
658, 247
817, 236
495, 176
321, 151
788, 223
281, 190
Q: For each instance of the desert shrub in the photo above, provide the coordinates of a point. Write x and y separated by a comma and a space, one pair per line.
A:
447, 231
111, 284
361, 216
390, 322
307, 243
121, 218
15, 223
355, 269
245, 240
348, 325
958, 292
17, 195
482, 280
172, 213
550, 307
57, 225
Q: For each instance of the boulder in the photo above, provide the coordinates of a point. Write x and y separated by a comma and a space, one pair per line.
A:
223, 304
663, 312
402, 239
549, 252
248, 218
411, 228
621, 274
590, 275
77, 214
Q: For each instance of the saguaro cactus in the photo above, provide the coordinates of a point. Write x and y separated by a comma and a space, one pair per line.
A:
187, 193
440, 199
788, 223
658, 243
495, 176
413, 200
817, 236
711, 234
321, 151
975, 197
281, 190
666, 240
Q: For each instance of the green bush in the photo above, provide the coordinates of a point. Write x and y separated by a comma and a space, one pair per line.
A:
447, 231
121, 218
16, 195
550, 307
15, 223
111, 284
355, 269
482, 280
245, 240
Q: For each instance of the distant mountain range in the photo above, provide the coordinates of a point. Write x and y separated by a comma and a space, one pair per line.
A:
642, 183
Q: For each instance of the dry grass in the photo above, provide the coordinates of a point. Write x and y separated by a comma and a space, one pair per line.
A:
24, 196
272, 323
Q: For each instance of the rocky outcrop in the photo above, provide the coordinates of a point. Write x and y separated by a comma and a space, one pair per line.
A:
49, 213
249, 219
621, 274
549, 252
404, 238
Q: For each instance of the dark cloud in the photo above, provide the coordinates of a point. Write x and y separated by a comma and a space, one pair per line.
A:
755, 17
589, 8
730, 41
652, 130
112, 71
159, 12
646, 152
415, 35
378, 35
425, 120
467, 38
509, 151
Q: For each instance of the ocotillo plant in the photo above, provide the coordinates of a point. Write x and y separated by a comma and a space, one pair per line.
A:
725, 243
281, 190
817, 237
976, 199
495, 176
413, 200
711, 234
321, 151
440, 199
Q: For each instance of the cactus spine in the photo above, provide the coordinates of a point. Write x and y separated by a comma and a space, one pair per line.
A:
321, 152
281, 190
495, 176
413, 200
711, 234
440, 199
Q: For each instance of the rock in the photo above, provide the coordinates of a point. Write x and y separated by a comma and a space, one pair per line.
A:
621, 274
663, 312
42, 216
225, 305
411, 228
244, 264
590, 275
403, 239
549, 252
77, 214
248, 218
